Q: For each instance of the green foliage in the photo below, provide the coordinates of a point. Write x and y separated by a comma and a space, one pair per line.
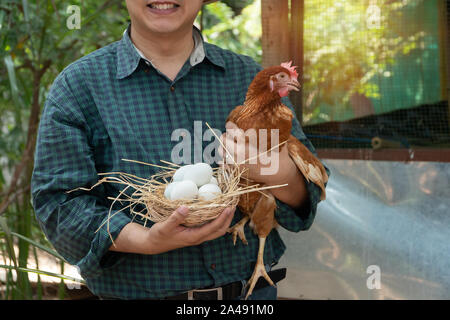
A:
237, 5
238, 33
344, 52
35, 45
34, 34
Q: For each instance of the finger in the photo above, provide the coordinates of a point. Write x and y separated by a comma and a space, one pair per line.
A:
233, 145
234, 131
236, 134
231, 125
223, 137
238, 150
223, 229
176, 218
206, 231
223, 226
229, 219
231, 148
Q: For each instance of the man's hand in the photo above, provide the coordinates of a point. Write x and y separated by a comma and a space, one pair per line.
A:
277, 168
170, 234
262, 166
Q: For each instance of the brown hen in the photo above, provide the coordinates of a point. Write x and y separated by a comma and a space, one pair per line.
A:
263, 109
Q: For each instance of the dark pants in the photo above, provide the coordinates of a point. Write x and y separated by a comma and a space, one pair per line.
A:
266, 293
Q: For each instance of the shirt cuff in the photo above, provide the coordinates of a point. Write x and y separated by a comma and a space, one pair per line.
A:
301, 218
99, 256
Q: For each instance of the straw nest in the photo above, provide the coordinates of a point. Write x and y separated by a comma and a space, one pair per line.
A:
145, 197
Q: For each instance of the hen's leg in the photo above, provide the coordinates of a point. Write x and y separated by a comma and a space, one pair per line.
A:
263, 221
238, 230
259, 270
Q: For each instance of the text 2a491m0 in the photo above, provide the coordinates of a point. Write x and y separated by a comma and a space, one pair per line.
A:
247, 309
252, 309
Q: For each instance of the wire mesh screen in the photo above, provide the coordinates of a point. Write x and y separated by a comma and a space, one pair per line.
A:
375, 73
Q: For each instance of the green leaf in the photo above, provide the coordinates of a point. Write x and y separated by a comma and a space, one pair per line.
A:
9, 241
2, 16
25, 10
12, 80
38, 245
45, 273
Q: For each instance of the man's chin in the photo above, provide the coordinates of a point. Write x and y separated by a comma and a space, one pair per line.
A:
161, 28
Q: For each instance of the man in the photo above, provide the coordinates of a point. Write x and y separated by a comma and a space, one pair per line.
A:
124, 101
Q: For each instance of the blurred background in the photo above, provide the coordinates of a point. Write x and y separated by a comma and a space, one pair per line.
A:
374, 102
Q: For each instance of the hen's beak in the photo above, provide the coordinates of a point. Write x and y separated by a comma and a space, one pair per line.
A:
293, 85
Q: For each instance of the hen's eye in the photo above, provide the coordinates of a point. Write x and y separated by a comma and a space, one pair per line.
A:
282, 76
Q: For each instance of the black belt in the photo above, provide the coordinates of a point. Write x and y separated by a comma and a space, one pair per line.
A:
229, 291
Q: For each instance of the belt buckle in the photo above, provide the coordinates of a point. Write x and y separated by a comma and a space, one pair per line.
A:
219, 292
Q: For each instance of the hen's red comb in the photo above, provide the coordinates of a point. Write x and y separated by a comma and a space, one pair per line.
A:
292, 71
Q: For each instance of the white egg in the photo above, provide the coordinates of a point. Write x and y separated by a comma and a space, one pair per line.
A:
169, 189
209, 191
214, 181
184, 190
179, 174
200, 173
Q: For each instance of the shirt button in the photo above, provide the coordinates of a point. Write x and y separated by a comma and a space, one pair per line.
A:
172, 88
213, 266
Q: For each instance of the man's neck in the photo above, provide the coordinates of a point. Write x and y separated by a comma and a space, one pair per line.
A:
163, 48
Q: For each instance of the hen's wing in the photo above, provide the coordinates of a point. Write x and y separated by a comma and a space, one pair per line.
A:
311, 168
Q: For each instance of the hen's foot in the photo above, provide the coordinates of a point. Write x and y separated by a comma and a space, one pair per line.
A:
238, 230
259, 271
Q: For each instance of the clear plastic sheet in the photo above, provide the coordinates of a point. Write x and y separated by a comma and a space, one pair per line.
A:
391, 217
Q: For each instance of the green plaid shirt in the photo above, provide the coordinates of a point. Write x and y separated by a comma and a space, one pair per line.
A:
111, 105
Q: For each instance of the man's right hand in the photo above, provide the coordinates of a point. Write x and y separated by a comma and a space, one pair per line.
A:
170, 234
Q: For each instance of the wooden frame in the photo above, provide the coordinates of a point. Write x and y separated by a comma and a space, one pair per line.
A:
279, 45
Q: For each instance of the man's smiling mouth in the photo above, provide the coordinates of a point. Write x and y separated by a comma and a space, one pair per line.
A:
162, 5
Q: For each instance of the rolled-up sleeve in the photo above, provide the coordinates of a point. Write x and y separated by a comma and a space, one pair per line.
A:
64, 161
301, 218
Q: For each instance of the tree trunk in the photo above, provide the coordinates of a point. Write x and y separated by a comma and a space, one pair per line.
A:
26, 162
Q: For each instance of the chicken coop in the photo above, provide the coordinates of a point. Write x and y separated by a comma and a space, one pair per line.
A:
374, 102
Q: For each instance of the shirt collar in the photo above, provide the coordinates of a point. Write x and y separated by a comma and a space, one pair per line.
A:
206, 51
128, 56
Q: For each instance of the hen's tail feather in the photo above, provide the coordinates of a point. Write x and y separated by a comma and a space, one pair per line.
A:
311, 168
